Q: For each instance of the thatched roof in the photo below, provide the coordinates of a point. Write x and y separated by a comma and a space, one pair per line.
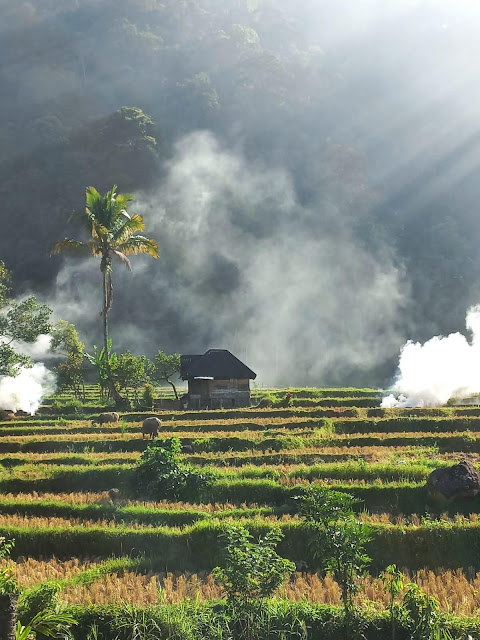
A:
219, 364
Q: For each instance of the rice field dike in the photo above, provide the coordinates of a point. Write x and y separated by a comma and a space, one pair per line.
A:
129, 555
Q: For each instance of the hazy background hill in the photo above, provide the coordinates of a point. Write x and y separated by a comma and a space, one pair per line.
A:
310, 170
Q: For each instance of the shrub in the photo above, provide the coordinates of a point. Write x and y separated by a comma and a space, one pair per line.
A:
423, 615
338, 540
40, 598
8, 582
267, 400
160, 473
148, 396
252, 572
252, 569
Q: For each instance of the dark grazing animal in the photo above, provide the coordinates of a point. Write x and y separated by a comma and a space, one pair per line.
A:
301, 565
150, 427
187, 448
114, 494
103, 418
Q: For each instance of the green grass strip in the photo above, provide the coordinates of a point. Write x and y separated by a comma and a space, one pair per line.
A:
199, 547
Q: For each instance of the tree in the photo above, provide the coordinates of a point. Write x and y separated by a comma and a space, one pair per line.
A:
20, 322
65, 340
123, 145
165, 367
130, 372
112, 234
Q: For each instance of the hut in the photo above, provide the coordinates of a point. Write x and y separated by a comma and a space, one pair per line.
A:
216, 380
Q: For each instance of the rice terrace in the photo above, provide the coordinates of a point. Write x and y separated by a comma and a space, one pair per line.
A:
89, 534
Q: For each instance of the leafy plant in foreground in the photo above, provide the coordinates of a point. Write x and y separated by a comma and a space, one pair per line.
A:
251, 572
423, 615
39, 598
50, 624
8, 582
338, 541
393, 582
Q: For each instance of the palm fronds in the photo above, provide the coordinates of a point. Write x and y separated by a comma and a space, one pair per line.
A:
123, 258
67, 245
140, 245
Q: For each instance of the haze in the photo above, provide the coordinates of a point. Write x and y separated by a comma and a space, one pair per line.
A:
313, 186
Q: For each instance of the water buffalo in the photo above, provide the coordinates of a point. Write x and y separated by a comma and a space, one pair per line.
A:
187, 447
114, 495
150, 427
103, 418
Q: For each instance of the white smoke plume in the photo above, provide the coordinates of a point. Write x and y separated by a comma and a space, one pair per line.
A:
38, 350
447, 367
25, 391
245, 266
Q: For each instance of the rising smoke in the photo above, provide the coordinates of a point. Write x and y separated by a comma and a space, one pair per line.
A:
25, 391
295, 302
441, 369
315, 188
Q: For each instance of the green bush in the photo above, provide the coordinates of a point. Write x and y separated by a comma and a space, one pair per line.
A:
40, 598
8, 581
160, 473
251, 569
148, 396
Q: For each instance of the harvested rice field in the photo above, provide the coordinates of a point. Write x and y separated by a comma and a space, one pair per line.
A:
68, 497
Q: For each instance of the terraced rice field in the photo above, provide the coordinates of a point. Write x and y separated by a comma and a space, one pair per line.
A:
56, 470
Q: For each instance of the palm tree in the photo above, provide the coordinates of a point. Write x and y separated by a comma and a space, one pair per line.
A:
112, 234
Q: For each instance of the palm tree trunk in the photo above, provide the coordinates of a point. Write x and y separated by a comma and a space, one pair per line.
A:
116, 397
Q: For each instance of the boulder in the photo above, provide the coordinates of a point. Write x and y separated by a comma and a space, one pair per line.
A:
459, 482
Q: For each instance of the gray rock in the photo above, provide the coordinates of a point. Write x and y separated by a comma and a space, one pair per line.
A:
459, 482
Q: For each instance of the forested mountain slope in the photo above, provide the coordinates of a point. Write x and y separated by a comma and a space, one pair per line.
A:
310, 171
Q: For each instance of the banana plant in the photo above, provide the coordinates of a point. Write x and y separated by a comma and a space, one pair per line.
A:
51, 624
99, 361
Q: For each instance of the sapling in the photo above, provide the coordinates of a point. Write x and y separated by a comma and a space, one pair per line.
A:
393, 582
338, 540
251, 572
424, 616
